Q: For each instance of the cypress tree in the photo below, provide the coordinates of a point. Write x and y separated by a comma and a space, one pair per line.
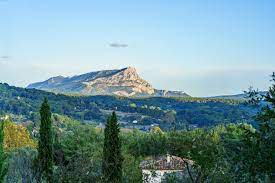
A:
3, 163
45, 144
112, 157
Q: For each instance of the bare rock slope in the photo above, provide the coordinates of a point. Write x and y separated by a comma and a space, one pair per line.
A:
124, 82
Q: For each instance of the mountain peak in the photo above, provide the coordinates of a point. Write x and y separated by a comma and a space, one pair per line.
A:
130, 69
123, 82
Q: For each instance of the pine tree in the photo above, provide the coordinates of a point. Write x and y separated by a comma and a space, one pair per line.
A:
45, 144
3, 163
267, 133
112, 157
261, 144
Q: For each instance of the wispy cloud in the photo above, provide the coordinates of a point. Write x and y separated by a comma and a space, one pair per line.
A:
4, 58
118, 45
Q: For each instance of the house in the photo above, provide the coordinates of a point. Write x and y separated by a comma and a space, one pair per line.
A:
135, 122
3, 118
155, 169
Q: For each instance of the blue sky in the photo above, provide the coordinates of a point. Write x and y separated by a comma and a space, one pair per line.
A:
203, 47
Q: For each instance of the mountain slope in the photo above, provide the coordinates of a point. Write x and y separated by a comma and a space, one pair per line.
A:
123, 82
237, 96
25, 103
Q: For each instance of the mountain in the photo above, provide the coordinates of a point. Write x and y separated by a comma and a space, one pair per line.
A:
234, 97
242, 96
123, 82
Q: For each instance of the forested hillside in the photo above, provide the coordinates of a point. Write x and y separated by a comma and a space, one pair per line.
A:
166, 112
61, 149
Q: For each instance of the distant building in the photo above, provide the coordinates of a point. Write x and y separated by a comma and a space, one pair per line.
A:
6, 117
154, 124
35, 132
135, 122
154, 169
193, 126
101, 126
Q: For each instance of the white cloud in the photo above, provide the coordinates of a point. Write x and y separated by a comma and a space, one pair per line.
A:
118, 45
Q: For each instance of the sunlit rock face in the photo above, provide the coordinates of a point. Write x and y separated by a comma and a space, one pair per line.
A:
124, 82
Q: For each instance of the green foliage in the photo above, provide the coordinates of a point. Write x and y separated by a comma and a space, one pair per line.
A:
232, 152
3, 163
157, 130
133, 105
263, 143
201, 146
219, 153
131, 169
16, 136
146, 144
112, 157
200, 111
78, 154
250, 152
21, 166
45, 145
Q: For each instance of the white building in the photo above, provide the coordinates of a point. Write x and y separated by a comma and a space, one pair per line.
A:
6, 117
154, 169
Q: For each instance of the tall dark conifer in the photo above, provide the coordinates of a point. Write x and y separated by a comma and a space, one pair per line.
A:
3, 163
112, 157
45, 144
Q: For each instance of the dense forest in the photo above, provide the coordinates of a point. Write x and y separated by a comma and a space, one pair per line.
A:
166, 112
225, 153
59, 147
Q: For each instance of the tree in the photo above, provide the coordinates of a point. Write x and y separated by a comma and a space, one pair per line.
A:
256, 153
112, 157
199, 145
81, 148
45, 144
266, 133
16, 136
21, 165
170, 117
3, 164
133, 105
156, 130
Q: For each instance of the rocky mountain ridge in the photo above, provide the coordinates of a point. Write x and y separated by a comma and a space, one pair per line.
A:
123, 82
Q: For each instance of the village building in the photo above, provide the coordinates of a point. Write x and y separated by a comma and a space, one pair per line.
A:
154, 170
3, 118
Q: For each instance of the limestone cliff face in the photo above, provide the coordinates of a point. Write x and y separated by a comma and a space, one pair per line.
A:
124, 82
